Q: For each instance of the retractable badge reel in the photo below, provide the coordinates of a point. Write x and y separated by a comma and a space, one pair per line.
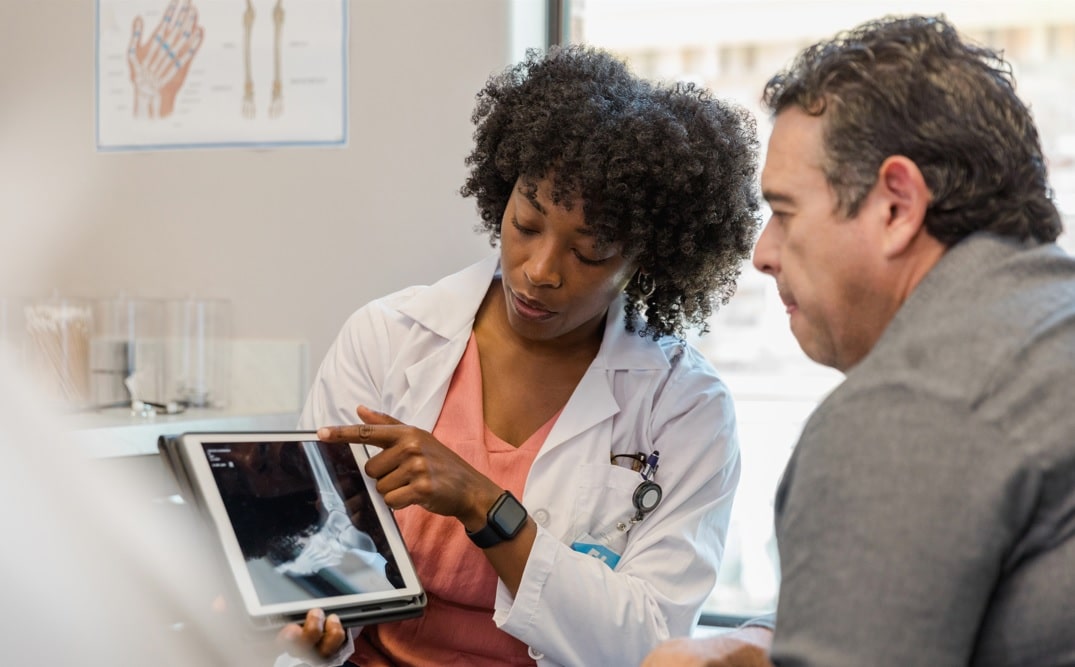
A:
607, 545
648, 493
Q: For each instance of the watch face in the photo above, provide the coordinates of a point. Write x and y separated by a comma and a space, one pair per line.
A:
509, 517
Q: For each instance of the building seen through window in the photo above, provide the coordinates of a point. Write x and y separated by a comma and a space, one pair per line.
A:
732, 47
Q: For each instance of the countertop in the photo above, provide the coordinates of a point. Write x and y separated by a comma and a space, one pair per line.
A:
116, 432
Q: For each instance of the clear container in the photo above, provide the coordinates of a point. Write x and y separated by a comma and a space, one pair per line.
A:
198, 352
127, 351
12, 332
57, 348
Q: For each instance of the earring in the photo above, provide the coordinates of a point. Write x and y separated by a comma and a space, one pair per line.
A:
646, 284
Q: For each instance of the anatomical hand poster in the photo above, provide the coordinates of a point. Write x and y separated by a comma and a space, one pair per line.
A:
174, 74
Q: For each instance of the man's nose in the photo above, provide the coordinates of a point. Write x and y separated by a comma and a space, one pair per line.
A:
766, 257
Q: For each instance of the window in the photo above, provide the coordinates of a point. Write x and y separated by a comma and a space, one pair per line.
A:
733, 47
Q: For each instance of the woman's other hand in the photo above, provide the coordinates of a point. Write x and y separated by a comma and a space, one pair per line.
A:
317, 635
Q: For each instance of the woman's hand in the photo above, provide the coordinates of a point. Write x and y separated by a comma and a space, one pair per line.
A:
414, 468
317, 635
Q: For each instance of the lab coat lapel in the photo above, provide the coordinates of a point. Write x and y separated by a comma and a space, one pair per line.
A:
593, 400
447, 309
427, 383
590, 404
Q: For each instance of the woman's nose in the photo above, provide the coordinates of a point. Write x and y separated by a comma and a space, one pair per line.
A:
543, 268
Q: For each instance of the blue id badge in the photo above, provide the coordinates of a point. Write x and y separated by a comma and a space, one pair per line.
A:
587, 544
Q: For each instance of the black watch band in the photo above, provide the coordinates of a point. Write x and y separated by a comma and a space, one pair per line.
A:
504, 520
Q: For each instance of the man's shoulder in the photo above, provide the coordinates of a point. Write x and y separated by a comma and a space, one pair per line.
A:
974, 325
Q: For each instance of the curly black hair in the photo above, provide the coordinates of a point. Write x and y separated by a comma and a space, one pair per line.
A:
666, 171
911, 86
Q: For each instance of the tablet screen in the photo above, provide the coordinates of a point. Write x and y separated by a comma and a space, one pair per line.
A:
306, 526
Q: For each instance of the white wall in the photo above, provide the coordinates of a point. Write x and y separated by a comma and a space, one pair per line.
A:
296, 238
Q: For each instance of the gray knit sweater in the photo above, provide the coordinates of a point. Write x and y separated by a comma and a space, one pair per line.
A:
927, 515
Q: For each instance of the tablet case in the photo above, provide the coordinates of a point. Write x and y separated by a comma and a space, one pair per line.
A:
170, 449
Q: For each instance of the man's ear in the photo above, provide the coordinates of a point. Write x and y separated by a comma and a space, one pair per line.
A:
904, 191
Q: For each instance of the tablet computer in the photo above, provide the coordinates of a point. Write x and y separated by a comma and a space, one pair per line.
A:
300, 525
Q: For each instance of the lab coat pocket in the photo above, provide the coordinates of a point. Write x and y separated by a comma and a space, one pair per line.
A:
603, 502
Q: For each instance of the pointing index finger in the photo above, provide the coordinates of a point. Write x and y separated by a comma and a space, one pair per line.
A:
369, 434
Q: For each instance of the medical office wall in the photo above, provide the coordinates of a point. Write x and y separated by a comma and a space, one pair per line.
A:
295, 237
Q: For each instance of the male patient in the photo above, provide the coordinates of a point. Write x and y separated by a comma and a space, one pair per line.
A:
927, 515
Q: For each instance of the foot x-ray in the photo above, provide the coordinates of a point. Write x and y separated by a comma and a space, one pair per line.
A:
303, 518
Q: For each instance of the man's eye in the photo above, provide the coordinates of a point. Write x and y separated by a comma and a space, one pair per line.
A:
779, 217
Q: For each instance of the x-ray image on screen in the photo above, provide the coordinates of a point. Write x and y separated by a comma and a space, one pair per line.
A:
303, 519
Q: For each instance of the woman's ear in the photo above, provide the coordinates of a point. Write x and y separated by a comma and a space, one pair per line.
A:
907, 197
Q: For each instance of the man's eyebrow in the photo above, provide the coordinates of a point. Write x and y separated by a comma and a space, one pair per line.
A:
776, 197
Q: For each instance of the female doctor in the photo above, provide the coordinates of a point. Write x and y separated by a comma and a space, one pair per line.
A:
561, 462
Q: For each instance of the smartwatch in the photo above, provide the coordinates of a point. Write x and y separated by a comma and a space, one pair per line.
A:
505, 519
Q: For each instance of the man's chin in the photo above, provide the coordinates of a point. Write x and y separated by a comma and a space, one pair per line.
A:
808, 342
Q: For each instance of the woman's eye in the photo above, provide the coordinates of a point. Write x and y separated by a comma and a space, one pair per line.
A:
522, 230
586, 260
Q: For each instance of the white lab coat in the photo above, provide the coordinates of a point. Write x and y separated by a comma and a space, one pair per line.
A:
397, 354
